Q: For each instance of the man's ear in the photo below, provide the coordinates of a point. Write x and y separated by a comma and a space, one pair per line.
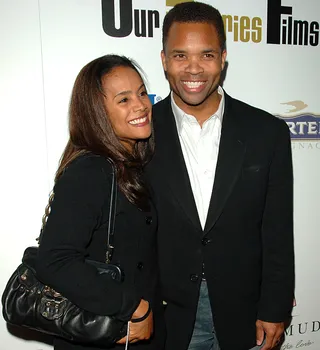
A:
163, 59
223, 58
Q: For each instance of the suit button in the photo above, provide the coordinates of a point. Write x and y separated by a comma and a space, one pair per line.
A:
194, 277
205, 241
140, 265
148, 220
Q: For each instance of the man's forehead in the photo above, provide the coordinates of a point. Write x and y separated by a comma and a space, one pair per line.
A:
193, 34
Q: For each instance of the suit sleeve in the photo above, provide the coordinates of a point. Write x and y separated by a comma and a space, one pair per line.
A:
277, 285
79, 197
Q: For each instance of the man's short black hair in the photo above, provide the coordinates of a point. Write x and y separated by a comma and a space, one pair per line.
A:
194, 12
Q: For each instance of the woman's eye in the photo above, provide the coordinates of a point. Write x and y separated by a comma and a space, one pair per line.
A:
123, 100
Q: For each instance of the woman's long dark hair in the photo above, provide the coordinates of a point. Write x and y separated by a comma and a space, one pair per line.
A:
91, 130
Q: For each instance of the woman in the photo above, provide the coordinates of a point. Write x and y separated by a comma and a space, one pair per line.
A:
110, 116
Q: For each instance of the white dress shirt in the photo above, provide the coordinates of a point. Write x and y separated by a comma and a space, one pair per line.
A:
200, 148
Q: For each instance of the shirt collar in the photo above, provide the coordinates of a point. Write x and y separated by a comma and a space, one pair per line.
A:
180, 115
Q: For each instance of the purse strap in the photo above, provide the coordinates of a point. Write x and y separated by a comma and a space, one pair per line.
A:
111, 217
112, 213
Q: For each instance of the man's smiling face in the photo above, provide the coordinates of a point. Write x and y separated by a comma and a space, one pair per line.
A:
193, 62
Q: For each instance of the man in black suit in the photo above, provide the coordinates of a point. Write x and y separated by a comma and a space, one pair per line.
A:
222, 180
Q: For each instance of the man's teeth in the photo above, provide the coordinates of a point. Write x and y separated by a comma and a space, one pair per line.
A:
193, 84
138, 121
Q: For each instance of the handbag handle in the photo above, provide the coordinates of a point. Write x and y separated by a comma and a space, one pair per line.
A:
111, 218
112, 214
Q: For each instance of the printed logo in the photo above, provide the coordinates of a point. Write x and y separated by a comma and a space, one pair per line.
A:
303, 126
243, 28
296, 329
283, 29
302, 328
176, 2
154, 98
119, 21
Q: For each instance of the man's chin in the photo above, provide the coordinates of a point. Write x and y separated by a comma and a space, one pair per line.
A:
193, 103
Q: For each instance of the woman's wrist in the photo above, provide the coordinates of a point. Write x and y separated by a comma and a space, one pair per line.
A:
142, 318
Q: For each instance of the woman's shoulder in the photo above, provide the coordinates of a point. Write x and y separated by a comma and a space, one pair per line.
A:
88, 172
90, 164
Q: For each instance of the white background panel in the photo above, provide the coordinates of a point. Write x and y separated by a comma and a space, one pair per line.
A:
45, 43
24, 175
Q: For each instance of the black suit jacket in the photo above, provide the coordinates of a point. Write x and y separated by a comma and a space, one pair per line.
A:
77, 229
246, 247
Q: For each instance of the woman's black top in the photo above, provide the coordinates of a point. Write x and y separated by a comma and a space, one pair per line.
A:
76, 229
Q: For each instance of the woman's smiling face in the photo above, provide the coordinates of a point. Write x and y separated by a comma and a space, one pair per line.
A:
128, 105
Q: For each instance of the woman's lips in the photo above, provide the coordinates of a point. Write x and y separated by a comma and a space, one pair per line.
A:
142, 121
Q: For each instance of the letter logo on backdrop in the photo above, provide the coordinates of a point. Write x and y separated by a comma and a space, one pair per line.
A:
289, 31
297, 328
176, 2
141, 22
282, 27
303, 126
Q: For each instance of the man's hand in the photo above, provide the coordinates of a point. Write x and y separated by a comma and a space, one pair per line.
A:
273, 332
140, 330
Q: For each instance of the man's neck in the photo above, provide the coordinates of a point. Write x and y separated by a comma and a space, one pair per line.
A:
203, 111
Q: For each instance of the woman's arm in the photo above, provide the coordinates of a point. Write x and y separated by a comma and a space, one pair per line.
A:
79, 196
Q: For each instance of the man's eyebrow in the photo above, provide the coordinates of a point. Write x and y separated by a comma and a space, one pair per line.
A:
210, 50
178, 51
203, 51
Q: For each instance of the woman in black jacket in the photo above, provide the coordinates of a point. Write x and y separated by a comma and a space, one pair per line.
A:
110, 116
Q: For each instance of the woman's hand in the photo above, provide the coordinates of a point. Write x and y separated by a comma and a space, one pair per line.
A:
140, 330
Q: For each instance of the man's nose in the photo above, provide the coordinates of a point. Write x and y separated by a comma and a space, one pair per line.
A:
194, 66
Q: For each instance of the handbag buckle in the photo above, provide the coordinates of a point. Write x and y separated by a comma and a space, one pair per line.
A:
51, 308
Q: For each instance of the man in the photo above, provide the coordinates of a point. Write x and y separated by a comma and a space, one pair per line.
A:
222, 179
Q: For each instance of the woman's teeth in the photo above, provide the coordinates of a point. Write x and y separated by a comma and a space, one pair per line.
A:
138, 121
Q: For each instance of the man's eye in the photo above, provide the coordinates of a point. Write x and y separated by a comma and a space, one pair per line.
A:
209, 55
179, 56
143, 93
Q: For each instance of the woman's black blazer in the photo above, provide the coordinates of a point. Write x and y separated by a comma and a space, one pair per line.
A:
76, 229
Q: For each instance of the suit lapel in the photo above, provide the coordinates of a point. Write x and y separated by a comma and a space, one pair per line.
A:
169, 154
230, 158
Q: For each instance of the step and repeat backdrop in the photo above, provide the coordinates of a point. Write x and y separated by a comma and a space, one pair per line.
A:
273, 63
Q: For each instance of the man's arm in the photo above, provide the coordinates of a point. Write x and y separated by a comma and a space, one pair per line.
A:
277, 285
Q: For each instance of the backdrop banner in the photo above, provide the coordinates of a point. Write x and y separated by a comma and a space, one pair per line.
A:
273, 63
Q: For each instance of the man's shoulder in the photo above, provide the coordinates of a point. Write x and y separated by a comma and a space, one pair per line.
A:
162, 105
242, 106
252, 114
